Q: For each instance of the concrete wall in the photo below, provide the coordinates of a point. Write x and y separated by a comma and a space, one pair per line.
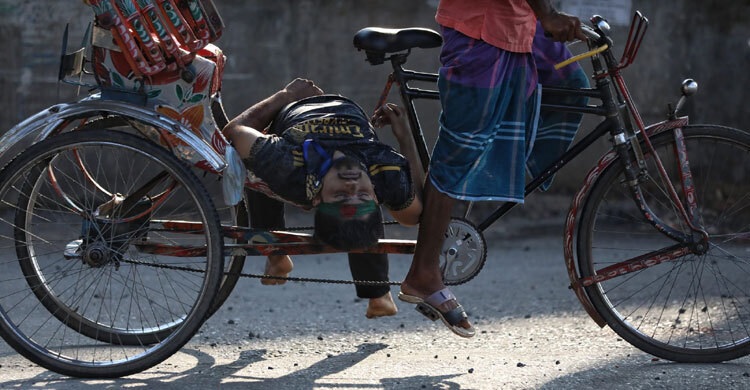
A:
268, 42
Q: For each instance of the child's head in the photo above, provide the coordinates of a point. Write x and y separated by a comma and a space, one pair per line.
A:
348, 227
347, 215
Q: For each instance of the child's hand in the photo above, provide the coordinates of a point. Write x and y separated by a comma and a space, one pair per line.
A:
302, 88
393, 115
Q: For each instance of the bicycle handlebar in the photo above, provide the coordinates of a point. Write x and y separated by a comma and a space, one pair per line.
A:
592, 36
581, 56
590, 33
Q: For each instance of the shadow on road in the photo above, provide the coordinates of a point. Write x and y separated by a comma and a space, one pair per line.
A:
206, 374
628, 374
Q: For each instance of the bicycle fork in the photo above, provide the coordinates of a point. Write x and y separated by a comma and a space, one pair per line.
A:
635, 173
688, 212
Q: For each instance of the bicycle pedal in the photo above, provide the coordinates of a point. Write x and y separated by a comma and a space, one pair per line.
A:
427, 311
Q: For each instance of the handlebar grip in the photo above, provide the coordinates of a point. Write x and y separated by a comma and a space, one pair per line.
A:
590, 33
581, 56
587, 31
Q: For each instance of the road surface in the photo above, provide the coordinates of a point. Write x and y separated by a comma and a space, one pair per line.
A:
532, 334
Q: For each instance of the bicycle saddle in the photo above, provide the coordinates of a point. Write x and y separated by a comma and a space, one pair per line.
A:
376, 41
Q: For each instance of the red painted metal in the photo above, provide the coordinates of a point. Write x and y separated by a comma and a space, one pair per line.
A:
308, 246
571, 221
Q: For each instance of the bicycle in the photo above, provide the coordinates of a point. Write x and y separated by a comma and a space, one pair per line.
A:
144, 264
628, 196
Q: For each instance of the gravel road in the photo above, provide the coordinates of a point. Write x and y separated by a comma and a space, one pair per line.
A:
533, 334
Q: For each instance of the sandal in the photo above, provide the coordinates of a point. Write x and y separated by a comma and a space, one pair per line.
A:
429, 308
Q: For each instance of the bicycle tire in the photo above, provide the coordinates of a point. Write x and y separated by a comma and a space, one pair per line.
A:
235, 216
80, 298
695, 308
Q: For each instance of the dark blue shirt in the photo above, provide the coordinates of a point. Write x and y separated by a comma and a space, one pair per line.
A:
335, 123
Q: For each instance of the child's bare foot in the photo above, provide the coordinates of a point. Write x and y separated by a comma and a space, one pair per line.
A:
277, 265
381, 307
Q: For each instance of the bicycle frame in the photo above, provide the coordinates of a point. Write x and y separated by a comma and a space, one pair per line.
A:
616, 109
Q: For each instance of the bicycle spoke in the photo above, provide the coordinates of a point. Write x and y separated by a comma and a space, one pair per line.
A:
79, 298
695, 306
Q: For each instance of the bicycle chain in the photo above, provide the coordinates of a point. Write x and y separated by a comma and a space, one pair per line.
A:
287, 278
264, 276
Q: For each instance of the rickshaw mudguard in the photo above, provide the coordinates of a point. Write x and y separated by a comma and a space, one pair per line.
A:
44, 123
572, 219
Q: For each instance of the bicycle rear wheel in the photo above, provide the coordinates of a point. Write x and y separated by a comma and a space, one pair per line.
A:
237, 215
80, 298
695, 308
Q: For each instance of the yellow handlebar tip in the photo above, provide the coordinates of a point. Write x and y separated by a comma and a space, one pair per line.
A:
581, 56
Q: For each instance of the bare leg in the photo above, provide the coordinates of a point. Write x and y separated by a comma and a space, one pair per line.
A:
268, 214
424, 277
381, 306
373, 266
277, 265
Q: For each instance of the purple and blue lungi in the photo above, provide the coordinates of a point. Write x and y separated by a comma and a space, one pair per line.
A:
555, 130
485, 142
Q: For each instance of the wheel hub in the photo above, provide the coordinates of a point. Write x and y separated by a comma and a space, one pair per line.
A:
700, 247
97, 255
108, 232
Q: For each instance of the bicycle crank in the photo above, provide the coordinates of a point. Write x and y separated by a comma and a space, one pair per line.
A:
464, 252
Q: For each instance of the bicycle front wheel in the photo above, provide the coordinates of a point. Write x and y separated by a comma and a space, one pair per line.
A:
82, 297
695, 308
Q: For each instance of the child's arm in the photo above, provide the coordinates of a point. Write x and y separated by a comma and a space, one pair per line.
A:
247, 127
396, 117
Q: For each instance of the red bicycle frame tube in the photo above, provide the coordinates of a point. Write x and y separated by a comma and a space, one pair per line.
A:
260, 242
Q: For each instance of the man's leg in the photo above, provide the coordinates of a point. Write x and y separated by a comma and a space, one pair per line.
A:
374, 267
424, 277
268, 213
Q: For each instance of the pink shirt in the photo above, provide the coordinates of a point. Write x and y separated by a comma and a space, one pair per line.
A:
507, 24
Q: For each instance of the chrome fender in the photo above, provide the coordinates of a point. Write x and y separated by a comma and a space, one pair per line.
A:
42, 124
